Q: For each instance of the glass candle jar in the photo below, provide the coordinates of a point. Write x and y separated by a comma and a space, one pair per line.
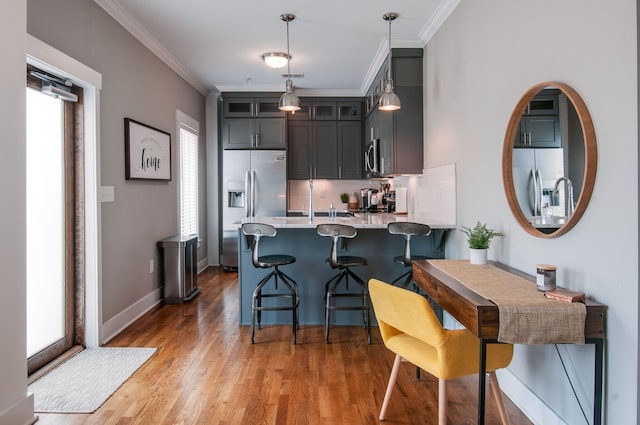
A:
546, 277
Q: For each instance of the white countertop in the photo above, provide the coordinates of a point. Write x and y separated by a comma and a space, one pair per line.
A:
360, 221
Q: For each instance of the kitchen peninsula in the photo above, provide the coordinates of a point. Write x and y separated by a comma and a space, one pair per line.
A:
297, 236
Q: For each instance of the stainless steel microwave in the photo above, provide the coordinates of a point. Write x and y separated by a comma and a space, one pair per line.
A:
372, 159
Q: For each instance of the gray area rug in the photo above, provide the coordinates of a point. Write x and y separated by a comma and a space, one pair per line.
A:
85, 381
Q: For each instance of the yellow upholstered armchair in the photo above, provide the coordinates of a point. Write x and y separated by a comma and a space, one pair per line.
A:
410, 328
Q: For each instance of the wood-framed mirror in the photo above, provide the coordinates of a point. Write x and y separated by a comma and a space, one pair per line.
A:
549, 159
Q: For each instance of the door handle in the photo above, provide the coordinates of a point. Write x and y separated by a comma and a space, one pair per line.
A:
247, 194
253, 193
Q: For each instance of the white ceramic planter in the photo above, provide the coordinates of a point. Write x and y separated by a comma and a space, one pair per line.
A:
477, 256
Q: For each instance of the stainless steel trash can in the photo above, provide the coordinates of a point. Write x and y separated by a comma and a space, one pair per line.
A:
180, 268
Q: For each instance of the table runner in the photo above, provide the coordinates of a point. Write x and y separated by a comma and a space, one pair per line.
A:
526, 316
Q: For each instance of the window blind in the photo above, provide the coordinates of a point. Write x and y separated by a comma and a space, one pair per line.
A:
188, 181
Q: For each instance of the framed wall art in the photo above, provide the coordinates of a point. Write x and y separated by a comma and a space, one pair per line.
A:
147, 152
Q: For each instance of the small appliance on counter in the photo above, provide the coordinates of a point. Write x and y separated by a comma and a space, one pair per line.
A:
371, 200
364, 198
389, 201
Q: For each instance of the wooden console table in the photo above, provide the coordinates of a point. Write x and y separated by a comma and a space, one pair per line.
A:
481, 317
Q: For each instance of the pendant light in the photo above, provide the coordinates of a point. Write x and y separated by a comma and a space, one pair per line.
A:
389, 101
289, 102
275, 59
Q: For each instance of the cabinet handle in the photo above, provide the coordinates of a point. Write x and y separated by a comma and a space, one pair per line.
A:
529, 138
339, 171
257, 140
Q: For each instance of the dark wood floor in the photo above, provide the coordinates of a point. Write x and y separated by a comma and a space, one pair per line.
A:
206, 371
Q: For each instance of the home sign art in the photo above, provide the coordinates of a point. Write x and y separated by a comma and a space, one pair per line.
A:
147, 152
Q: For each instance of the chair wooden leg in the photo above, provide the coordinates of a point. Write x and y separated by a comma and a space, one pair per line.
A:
390, 385
442, 402
497, 394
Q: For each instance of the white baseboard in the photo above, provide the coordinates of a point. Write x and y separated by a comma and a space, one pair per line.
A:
203, 264
527, 401
118, 323
21, 412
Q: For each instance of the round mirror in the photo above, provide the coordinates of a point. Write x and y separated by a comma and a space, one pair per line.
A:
549, 159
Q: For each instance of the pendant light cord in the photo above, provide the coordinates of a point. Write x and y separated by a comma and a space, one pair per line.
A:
389, 71
288, 55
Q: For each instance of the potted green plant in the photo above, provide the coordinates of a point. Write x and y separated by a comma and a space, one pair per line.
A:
344, 198
479, 240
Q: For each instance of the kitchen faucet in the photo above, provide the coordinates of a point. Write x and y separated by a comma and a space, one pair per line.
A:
569, 204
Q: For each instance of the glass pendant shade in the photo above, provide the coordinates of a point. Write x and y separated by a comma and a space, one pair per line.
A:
275, 59
289, 102
389, 101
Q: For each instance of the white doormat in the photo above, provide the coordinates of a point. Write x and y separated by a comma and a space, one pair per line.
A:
85, 381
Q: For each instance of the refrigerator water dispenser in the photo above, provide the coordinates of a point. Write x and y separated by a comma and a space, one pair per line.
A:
235, 195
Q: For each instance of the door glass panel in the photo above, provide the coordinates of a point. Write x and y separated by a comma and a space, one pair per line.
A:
239, 107
325, 111
348, 111
45, 222
269, 107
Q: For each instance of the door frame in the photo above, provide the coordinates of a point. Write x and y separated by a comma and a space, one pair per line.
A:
49, 59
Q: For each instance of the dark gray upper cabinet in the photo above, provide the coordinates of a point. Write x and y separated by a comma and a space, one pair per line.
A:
350, 150
248, 107
313, 150
400, 132
325, 139
540, 123
252, 121
254, 133
539, 131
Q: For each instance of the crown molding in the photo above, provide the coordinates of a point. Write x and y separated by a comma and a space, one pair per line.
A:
139, 32
437, 19
430, 28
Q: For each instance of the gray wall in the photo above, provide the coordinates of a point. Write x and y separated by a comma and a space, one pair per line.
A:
135, 84
483, 58
15, 406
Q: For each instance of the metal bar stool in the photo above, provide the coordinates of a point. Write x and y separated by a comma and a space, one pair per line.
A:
257, 231
407, 229
343, 263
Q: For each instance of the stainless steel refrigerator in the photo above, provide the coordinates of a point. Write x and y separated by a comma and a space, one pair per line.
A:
535, 172
254, 185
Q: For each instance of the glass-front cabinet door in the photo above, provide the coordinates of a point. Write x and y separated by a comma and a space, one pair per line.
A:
320, 111
247, 107
349, 111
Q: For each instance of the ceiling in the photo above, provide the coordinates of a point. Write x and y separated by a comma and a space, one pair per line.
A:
337, 45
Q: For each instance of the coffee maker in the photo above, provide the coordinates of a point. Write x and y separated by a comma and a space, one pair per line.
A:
365, 195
